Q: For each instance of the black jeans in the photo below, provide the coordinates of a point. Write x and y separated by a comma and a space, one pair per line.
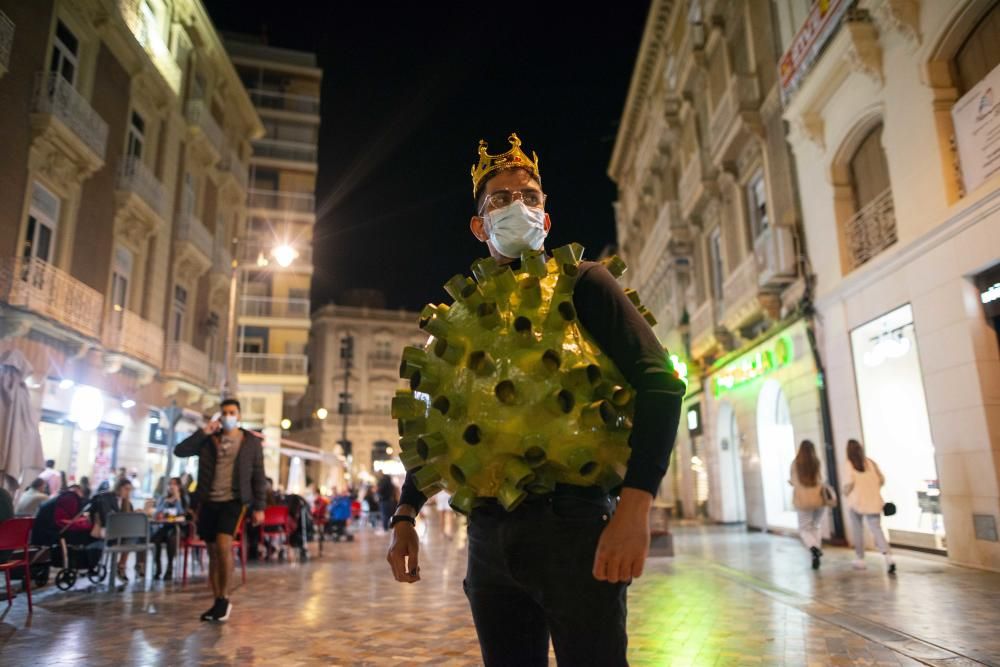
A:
530, 575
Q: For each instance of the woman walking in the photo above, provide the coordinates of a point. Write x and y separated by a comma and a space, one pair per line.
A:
807, 498
863, 492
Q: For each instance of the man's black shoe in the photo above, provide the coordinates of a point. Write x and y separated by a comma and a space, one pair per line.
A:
222, 613
816, 553
216, 610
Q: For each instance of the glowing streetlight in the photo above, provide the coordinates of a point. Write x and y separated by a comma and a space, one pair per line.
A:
128, 404
286, 423
322, 413
285, 255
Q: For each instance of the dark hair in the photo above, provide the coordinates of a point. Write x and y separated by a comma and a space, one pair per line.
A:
481, 197
122, 483
807, 464
50, 463
231, 401
856, 455
38, 484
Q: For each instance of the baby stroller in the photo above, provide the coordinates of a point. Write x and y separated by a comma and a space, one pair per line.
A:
55, 551
340, 515
301, 524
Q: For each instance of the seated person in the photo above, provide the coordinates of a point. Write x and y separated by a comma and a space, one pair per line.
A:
119, 500
170, 505
33, 497
63, 516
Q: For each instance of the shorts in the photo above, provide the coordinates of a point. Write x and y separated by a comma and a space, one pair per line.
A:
219, 517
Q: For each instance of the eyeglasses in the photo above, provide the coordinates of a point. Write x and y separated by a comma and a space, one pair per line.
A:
501, 198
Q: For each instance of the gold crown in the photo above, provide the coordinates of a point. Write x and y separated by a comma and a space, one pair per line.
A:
515, 157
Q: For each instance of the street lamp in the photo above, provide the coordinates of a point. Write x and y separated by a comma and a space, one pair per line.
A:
285, 255
322, 413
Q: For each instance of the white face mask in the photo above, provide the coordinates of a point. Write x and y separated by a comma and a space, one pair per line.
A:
516, 228
229, 422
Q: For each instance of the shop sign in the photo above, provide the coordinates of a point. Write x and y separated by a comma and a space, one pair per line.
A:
976, 117
988, 283
755, 364
808, 42
679, 367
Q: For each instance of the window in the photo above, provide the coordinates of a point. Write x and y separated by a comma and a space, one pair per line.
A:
179, 313
43, 216
869, 172
65, 53
979, 55
190, 195
383, 348
715, 260
757, 205
382, 402
136, 137
121, 273
252, 346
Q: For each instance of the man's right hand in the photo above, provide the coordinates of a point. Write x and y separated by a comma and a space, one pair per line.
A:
212, 427
403, 551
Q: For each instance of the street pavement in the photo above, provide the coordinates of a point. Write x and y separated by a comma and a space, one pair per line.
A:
728, 598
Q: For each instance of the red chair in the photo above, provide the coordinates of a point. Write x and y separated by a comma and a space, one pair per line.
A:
275, 524
14, 536
192, 541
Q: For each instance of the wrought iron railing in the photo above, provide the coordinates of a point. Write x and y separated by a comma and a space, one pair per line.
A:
127, 333
56, 96
295, 151
266, 306
135, 176
191, 229
186, 361
281, 200
6, 41
872, 229
43, 289
272, 364
268, 99
199, 116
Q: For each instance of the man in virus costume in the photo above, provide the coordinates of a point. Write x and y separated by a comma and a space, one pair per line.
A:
545, 405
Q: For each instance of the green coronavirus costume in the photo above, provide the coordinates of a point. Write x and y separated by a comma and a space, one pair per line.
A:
510, 395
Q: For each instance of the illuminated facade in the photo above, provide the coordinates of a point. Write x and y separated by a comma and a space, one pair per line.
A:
902, 226
274, 250
708, 222
125, 133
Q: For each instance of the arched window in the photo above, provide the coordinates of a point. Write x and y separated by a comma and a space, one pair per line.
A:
868, 169
979, 55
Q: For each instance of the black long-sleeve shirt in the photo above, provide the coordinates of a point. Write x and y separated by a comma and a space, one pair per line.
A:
627, 339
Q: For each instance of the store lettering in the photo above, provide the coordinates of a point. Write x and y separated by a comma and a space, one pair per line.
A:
752, 366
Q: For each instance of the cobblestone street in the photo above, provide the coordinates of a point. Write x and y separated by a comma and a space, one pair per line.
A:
728, 598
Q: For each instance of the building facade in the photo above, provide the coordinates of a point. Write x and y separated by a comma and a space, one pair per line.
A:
708, 221
900, 192
274, 251
125, 131
377, 337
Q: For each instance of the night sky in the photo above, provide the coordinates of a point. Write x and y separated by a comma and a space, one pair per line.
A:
408, 92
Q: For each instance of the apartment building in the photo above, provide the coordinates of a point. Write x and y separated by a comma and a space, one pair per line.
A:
364, 343
893, 114
125, 131
275, 250
708, 221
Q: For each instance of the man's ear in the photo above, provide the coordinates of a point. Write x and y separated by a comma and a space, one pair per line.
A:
478, 228
548, 223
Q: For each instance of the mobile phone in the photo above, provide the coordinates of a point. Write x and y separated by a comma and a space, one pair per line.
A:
216, 417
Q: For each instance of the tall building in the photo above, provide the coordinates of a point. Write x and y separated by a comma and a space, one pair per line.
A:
125, 131
893, 112
363, 343
707, 219
275, 251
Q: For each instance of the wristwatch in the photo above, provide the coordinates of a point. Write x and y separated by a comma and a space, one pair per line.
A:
396, 518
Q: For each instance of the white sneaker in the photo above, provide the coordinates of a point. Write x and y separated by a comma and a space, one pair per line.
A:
859, 564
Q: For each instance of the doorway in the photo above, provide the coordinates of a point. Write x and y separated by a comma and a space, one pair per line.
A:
776, 446
733, 509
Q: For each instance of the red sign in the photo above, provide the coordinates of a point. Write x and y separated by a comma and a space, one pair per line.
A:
808, 42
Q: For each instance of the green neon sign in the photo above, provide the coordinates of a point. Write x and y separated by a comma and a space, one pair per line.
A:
680, 368
753, 365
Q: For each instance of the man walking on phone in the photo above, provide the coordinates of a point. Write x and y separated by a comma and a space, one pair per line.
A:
230, 477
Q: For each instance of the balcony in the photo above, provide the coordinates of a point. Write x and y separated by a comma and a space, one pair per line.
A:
267, 99
293, 151
201, 124
191, 230
696, 183
64, 117
276, 312
127, 333
736, 111
233, 167
871, 230
135, 179
222, 259
284, 201
256, 253
6, 41
149, 34
739, 301
275, 365
186, 362
43, 289
702, 328
775, 253
194, 245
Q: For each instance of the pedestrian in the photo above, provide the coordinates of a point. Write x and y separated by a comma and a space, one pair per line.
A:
32, 498
863, 495
559, 566
106, 504
85, 487
388, 497
230, 477
808, 499
371, 503
52, 477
